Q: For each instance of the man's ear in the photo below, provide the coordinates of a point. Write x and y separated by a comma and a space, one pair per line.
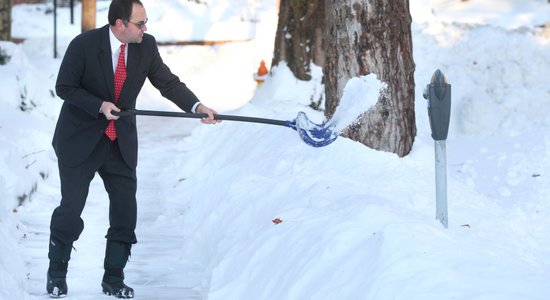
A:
119, 23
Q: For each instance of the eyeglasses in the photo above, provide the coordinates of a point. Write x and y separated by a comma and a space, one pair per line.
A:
140, 24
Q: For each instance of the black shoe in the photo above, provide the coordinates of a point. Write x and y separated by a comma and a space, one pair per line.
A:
118, 289
56, 287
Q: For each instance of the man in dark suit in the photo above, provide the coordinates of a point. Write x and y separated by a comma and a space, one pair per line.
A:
102, 71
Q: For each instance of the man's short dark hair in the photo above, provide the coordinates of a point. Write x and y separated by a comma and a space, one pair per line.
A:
121, 9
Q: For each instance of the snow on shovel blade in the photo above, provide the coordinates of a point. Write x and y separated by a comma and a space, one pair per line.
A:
311, 133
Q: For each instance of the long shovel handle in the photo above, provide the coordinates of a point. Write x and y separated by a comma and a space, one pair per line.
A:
315, 135
131, 112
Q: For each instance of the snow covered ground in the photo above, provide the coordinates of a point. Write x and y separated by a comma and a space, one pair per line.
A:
354, 223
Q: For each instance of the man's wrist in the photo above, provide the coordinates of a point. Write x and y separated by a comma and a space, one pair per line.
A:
194, 108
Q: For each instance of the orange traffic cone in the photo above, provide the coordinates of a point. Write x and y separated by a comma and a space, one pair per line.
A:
261, 75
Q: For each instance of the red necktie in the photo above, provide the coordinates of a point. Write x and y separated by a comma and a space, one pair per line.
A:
120, 77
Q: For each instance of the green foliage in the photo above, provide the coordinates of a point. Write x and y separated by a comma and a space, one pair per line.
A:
26, 103
4, 57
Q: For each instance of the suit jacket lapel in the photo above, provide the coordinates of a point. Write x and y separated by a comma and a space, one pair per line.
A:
106, 62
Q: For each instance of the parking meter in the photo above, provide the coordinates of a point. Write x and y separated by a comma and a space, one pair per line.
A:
438, 94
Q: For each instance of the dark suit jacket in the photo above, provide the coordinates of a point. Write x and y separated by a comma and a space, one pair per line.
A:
86, 79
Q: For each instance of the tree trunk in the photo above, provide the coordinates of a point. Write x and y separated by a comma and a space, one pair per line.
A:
299, 36
88, 14
5, 20
372, 36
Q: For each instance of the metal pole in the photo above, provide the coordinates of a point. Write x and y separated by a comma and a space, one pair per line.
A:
54, 28
72, 12
441, 183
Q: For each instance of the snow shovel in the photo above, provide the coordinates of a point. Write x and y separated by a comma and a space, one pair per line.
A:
313, 134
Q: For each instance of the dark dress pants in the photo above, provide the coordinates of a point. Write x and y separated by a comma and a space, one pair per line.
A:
120, 183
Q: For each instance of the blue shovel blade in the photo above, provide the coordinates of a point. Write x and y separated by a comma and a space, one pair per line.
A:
313, 134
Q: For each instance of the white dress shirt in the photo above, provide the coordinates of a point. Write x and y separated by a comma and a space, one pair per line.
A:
115, 51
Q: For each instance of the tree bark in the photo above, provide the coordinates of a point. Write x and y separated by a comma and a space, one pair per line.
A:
372, 36
5, 20
299, 36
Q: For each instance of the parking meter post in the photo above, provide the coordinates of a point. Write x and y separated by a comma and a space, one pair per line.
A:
441, 212
438, 94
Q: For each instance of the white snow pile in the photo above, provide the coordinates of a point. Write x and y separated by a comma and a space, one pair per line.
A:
249, 211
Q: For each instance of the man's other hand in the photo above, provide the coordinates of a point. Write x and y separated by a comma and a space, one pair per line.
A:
203, 109
106, 108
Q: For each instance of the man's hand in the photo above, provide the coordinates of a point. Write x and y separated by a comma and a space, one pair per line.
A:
203, 109
106, 108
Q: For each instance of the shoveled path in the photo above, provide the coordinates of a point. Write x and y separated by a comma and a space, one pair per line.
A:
153, 271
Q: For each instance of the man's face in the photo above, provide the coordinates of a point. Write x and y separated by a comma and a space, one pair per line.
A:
136, 27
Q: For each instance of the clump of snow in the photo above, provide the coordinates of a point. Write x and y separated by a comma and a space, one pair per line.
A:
360, 94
